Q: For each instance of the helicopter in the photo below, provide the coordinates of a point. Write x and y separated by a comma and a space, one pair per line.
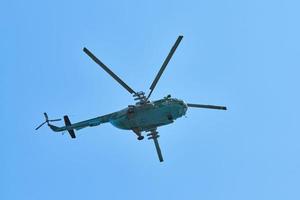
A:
144, 116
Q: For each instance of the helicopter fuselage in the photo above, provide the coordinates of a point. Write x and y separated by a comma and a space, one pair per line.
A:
143, 117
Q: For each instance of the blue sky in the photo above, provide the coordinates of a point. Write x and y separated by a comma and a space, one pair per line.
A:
242, 54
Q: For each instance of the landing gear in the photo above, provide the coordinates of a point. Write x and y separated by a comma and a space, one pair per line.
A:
140, 137
138, 133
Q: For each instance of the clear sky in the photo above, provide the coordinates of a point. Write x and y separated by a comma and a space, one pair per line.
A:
242, 54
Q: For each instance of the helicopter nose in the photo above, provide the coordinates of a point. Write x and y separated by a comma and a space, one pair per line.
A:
185, 107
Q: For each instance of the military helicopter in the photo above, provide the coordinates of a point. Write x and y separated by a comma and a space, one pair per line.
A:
144, 116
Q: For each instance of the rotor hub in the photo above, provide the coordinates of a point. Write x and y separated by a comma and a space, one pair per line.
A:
140, 97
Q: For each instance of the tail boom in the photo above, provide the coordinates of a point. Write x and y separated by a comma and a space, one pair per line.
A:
76, 126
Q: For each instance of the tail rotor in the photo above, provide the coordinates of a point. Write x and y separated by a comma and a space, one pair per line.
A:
46, 121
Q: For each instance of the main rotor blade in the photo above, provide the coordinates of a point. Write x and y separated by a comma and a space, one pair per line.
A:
158, 150
101, 64
206, 106
164, 65
154, 135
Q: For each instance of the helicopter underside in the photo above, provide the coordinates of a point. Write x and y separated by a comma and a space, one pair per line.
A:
145, 119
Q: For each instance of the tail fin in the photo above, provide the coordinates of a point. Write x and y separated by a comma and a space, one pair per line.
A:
68, 125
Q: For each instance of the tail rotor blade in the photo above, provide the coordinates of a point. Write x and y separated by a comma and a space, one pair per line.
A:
46, 116
46, 121
40, 125
54, 120
206, 106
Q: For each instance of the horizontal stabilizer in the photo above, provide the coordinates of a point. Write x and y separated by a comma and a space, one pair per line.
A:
68, 127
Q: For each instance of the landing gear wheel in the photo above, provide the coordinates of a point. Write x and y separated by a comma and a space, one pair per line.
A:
140, 137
